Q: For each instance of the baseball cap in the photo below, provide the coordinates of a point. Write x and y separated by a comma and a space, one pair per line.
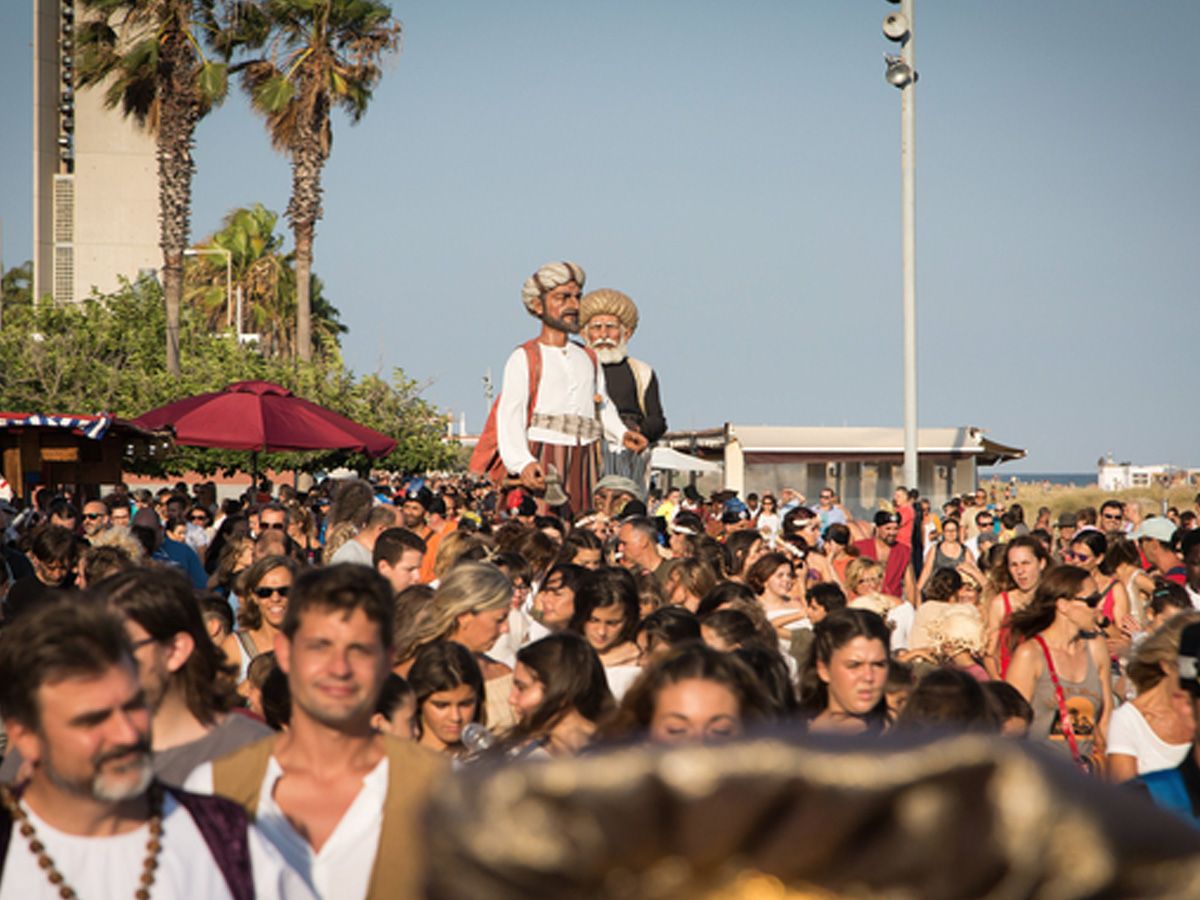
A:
1159, 528
883, 517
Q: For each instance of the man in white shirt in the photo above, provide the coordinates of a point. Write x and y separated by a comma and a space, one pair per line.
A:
92, 819
340, 801
563, 424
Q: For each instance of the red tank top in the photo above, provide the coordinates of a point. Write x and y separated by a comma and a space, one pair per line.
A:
1005, 651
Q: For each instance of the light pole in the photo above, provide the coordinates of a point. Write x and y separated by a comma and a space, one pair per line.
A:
221, 251
902, 73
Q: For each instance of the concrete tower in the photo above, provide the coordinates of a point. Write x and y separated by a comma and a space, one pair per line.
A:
95, 182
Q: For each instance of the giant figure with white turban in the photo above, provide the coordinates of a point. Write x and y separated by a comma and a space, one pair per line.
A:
553, 408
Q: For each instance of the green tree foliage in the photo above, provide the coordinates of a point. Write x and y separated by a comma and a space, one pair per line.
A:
107, 354
16, 286
148, 57
298, 59
267, 278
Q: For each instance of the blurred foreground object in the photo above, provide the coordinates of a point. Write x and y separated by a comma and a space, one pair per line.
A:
967, 816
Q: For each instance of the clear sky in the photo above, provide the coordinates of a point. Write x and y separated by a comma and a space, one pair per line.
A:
734, 167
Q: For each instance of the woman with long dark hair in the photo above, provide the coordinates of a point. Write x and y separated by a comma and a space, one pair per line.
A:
606, 615
693, 694
842, 685
559, 696
448, 685
1024, 560
1060, 664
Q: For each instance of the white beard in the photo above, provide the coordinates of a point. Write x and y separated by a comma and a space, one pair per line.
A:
608, 352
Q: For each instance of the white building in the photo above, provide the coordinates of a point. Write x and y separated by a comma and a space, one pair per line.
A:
1115, 476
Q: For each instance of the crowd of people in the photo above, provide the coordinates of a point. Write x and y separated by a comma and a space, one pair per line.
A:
322, 660
263, 695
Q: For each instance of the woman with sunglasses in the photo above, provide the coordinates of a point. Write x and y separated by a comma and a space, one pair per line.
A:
1088, 550
1060, 664
264, 593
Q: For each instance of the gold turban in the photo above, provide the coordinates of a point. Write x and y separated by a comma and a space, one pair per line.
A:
607, 302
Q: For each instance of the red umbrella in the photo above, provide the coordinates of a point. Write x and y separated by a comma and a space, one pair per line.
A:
260, 416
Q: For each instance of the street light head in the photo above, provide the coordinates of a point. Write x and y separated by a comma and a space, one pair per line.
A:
895, 26
899, 74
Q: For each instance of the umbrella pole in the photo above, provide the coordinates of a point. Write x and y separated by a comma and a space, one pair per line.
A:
254, 472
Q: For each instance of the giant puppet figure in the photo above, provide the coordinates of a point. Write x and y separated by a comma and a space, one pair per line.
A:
553, 408
608, 319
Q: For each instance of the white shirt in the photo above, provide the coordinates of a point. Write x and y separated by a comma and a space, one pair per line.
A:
342, 868
901, 617
112, 866
569, 385
1131, 735
620, 678
352, 552
523, 630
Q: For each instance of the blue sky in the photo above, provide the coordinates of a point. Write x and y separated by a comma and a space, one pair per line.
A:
734, 167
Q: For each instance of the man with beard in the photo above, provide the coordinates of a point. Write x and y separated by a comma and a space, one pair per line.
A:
885, 547
186, 682
341, 801
92, 821
553, 408
608, 320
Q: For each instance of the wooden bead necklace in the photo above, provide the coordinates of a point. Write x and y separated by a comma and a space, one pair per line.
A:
46, 863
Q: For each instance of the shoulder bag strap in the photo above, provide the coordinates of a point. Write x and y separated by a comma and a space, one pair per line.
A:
1063, 716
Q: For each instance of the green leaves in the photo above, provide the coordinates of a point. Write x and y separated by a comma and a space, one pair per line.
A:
273, 94
214, 81
107, 355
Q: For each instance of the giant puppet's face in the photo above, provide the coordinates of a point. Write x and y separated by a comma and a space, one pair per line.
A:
607, 336
559, 307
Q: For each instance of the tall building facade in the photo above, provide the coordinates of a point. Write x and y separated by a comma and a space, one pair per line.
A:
95, 177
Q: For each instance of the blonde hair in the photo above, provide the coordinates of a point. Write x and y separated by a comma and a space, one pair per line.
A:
858, 569
470, 587
122, 539
1161, 648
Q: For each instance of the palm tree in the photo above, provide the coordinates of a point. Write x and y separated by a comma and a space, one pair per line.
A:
319, 54
148, 55
266, 277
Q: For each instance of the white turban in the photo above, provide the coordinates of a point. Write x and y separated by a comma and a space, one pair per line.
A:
547, 278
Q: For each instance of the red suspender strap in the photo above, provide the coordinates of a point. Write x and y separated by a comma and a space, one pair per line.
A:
1063, 716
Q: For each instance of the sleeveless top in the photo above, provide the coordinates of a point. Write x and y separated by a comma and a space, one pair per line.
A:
942, 561
1085, 704
1110, 601
249, 651
1005, 651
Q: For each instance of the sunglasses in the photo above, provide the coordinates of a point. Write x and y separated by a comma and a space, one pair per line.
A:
1092, 600
90, 516
278, 526
199, 518
263, 593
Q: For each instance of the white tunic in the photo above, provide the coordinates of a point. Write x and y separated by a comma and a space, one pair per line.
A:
342, 868
112, 866
569, 385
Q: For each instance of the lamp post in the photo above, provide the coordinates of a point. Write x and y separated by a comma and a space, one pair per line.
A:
902, 74
220, 251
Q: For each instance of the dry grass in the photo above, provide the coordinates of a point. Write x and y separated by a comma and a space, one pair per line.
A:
1059, 498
